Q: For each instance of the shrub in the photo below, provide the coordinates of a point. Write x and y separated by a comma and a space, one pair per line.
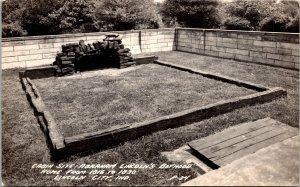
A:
36, 12
127, 14
293, 25
237, 24
72, 16
191, 13
12, 30
252, 11
275, 23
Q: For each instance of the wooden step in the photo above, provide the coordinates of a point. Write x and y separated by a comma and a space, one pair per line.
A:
235, 142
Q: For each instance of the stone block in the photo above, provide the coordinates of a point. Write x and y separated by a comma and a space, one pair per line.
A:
26, 47
46, 46
211, 53
211, 34
295, 52
41, 62
226, 55
250, 47
243, 58
296, 59
228, 45
207, 47
281, 51
30, 57
297, 65
42, 51
211, 38
74, 39
221, 49
264, 43
258, 54
95, 38
245, 42
30, 42
229, 40
9, 59
7, 49
58, 45
13, 65
212, 43
167, 48
183, 48
169, 36
288, 45
284, 64
182, 36
152, 41
263, 60
249, 36
159, 37
227, 34
13, 43
52, 40
288, 58
15, 53
188, 40
50, 55
134, 41
166, 40
273, 56
171, 44
237, 51
280, 37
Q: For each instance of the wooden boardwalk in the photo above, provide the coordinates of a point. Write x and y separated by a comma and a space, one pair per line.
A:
233, 143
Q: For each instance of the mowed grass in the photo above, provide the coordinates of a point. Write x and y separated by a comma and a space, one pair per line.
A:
82, 105
285, 110
23, 143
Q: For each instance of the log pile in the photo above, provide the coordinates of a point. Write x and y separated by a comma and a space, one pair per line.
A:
80, 56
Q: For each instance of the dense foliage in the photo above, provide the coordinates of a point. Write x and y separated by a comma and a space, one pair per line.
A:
192, 13
283, 18
127, 14
236, 23
269, 15
43, 17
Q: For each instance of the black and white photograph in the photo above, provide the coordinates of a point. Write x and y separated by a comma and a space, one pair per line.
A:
150, 92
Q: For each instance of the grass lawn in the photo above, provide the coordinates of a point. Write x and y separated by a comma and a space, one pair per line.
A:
86, 104
23, 143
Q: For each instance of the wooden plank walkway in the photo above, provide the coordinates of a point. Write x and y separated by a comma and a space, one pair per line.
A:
238, 141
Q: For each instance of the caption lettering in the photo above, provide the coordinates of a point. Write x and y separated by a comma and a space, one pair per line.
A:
103, 172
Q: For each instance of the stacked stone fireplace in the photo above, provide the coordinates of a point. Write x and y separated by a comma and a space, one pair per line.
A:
76, 57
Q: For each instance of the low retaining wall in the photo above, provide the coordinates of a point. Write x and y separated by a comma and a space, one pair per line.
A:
61, 146
276, 49
33, 51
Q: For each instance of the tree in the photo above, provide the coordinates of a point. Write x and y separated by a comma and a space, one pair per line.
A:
34, 14
11, 11
13, 29
252, 11
192, 13
293, 25
11, 14
72, 16
43, 17
126, 14
283, 18
236, 23
275, 23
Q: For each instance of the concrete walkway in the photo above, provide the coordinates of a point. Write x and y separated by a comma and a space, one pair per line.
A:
275, 165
